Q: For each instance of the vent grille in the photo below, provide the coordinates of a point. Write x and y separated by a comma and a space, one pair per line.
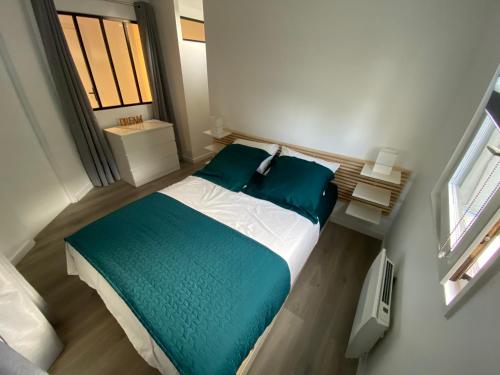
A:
386, 291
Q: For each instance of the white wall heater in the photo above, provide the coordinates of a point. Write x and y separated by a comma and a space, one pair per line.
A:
374, 307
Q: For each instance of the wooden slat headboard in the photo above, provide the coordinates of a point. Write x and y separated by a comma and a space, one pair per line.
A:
347, 176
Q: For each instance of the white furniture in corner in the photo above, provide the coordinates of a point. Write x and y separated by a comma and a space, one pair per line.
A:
145, 151
370, 199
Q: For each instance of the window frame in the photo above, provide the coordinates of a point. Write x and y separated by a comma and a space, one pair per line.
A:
440, 196
101, 19
488, 270
195, 21
453, 188
448, 264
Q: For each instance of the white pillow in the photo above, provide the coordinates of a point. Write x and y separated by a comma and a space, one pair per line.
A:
270, 148
285, 151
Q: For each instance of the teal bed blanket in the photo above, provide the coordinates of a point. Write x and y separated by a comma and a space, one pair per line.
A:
204, 292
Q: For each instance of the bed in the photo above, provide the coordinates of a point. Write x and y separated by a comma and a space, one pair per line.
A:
232, 259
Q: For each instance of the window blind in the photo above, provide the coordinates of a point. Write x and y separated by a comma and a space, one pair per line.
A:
474, 184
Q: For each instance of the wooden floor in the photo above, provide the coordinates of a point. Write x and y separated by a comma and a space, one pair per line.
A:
309, 336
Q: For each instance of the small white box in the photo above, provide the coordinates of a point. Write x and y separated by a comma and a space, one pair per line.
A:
385, 161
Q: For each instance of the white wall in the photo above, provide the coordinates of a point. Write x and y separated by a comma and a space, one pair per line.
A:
421, 340
194, 67
194, 74
31, 194
191, 9
338, 75
40, 167
187, 76
342, 76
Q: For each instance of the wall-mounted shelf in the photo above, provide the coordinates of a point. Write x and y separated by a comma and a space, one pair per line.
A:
393, 178
372, 194
364, 212
223, 134
214, 147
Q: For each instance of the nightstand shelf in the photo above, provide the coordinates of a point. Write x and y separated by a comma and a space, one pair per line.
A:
215, 147
364, 212
393, 178
372, 194
223, 134
369, 199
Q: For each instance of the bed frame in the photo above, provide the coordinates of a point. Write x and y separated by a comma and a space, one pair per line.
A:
347, 176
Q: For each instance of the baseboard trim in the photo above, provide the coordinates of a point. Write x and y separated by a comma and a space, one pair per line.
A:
196, 159
357, 225
82, 192
21, 251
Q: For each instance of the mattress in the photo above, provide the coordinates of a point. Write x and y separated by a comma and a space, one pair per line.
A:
286, 233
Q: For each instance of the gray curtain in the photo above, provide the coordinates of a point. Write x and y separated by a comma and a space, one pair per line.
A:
162, 104
94, 151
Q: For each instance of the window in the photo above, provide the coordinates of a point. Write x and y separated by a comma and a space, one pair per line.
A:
474, 181
109, 58
469, 203
192, 30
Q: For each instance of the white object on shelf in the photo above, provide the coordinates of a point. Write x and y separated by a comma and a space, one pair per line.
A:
215, 147
364, 212
144, 152
217, 124
386, 159
372, 194
223, 134
393, 178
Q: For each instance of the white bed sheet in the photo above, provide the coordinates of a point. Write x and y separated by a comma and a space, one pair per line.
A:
285, 232
288, 234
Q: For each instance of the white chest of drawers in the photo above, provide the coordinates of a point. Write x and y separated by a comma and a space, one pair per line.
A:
144, 152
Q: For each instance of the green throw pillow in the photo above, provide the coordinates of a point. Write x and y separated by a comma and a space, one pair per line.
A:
234, 166
295, 184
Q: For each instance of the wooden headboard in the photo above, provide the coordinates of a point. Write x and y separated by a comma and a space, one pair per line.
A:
347, 176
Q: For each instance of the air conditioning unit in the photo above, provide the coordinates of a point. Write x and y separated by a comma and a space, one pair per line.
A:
374, 307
